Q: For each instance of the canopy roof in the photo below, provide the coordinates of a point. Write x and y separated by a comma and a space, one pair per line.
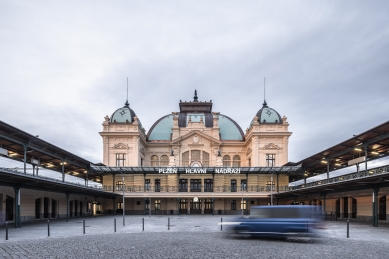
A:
376, 139
14, 141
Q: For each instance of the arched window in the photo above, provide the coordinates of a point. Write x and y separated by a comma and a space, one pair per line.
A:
236, 161
205, 159
154, 160
185, 158
227, 161
195, 155
164, 161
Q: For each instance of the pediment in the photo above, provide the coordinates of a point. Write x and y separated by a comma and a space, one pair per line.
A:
194, 137
271, 146
120, 146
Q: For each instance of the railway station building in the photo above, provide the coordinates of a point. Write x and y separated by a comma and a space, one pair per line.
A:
194, 161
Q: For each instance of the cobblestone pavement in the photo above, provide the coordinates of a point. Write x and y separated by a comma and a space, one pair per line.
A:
190, 236
187, 245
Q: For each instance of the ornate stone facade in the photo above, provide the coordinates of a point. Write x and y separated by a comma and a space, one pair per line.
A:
252, 148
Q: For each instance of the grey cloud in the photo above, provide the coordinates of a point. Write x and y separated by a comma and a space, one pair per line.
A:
65, 66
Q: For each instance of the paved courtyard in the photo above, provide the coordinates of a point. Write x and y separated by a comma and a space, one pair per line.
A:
189, 236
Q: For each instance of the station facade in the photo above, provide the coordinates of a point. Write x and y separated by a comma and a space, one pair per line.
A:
194, 161
210, 148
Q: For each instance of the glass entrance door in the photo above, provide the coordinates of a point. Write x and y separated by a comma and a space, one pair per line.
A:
337, 208
195, 206
38, 208
208, 206
382, 208
9, 208
183, 209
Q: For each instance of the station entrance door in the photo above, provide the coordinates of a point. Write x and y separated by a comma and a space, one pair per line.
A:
195, 206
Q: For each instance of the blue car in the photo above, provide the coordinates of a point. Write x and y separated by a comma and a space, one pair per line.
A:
278, 221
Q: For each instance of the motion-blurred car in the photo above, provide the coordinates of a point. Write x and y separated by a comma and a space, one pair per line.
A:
278, 221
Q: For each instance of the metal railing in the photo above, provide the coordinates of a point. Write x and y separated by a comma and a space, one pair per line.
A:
13, 171
215, 189
343, 178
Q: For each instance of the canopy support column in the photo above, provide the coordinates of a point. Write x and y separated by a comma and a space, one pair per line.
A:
17, 207
67, 206
375, 207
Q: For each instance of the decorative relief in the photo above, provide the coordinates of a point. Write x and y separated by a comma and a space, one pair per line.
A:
248, 152
187, 108
271, 146
120, 146
120, 128
270, 128
256, 128
195, 139
142, 151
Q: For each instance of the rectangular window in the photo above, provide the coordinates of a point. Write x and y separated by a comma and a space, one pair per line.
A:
233, 205
270, 160
119, 186
119, 205
243, 185
233, 185
89, 207
157, 204
183, 185
157, 185
120, 159
243, 204
208, 185
269, 186
195, 185
147, 184
147, 204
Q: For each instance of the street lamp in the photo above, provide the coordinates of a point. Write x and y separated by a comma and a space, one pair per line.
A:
124, 221
150, 201
241, 206
271, 189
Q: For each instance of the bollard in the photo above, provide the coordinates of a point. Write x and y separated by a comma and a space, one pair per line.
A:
221, 224
48, 228
168, 223
6, 230
143, 224
83, 226
114, 225
348, 227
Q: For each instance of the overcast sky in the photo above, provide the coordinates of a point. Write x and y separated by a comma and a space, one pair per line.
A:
64, 65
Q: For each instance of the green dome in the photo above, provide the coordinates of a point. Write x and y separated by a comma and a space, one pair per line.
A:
162, 129
123, 115
268, 115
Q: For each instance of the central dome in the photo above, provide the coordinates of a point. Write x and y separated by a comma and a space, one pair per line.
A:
195, 111
162, 128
